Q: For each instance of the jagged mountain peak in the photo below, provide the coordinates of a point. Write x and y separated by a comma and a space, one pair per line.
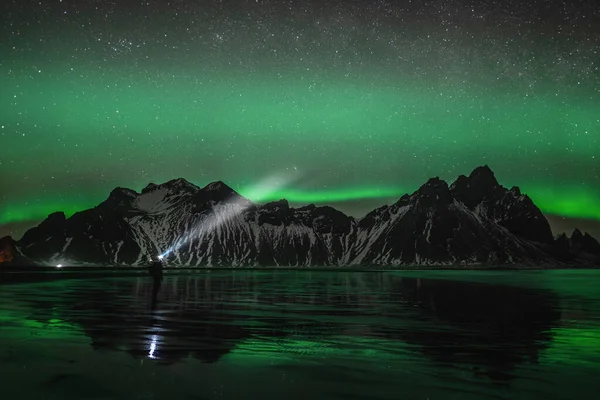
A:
119, 196
282, 203
584, 242
220, 192
434, 184
516, 191
480, 183
181, 184
480, 178
149, 188
120, 192
483, 180
561, 243
217, 186
576, 234
404, 200
308, 207
483, 172
57, 216
481, 193
434, 191
326, 212
161, 198
461, 181
174, 185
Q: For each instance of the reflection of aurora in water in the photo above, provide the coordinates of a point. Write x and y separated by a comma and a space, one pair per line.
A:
343, 348
574, 346
315, 326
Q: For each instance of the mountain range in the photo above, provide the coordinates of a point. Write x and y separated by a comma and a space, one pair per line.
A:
473, 222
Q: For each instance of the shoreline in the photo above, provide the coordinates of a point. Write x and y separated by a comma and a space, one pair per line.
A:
25, 274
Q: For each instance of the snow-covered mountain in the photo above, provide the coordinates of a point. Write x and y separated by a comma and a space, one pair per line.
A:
473, 221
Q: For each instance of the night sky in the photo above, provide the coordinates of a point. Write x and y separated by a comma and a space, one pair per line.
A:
360, 101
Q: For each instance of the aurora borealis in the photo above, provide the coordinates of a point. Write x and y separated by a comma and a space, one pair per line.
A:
365, 100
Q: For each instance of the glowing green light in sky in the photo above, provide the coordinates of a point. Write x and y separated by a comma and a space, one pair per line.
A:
75, 134
575, 202
298, 196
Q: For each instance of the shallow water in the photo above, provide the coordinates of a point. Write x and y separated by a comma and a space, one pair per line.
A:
304, 334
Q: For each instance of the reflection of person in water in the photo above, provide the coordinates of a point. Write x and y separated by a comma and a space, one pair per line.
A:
156, 271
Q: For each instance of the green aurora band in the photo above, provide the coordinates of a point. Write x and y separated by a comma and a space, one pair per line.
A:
576, 203
78, 127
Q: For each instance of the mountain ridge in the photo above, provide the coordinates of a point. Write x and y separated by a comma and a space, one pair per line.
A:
473, 221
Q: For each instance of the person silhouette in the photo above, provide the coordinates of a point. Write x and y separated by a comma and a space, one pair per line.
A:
156, 272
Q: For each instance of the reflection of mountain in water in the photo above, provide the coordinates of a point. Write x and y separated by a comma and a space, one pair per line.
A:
492, 328
189, 319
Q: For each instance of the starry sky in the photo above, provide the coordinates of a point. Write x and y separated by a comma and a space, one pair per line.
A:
362, 101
